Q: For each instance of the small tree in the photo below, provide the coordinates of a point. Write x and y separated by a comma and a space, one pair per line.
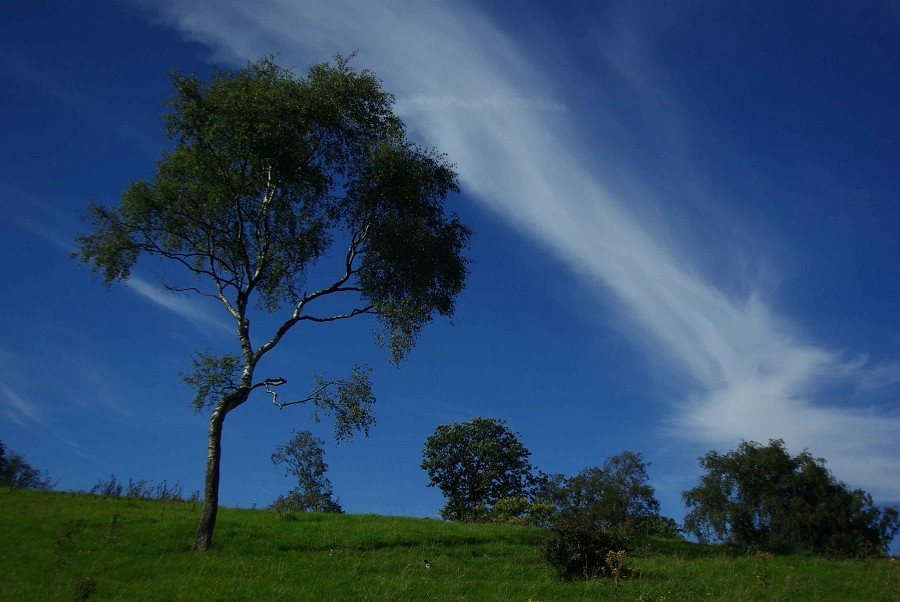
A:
475, 464
16, 473
762, 497
615, 496
303, 457
270, 176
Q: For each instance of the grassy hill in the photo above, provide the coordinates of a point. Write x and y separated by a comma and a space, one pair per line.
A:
64, 546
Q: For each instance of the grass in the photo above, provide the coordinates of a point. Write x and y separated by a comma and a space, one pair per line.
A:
65, 546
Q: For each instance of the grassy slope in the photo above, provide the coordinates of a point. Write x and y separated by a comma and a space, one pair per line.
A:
52, 544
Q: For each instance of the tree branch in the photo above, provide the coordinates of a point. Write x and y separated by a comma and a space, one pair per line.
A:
351, 314
280, 381
337, 286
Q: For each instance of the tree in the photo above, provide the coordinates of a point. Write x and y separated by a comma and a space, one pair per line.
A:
762, 497
617, 496
475, 464
304, 458
16, 473
271, 176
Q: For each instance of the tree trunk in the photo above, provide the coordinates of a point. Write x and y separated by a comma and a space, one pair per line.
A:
203, 540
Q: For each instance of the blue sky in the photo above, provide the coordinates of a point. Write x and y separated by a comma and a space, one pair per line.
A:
685, 226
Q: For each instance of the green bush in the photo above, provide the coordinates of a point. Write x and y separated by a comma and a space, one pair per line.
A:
577, 547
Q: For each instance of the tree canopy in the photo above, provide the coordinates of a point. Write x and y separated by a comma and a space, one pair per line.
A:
759, 496
617, 495
475, 464
303, 458
17, 473
300, 195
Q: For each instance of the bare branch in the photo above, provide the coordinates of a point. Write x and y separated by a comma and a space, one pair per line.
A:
336, 287
312, 396
351, 314
192, 289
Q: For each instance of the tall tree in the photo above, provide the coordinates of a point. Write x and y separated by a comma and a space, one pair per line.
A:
303, 458
759, 496
272, 174
475, 464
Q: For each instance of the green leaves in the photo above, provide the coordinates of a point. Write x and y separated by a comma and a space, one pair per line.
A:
16, 473
350, 402
269, 173
617, 495
275, 180
762, 497
475, 464
213, 378
303, 458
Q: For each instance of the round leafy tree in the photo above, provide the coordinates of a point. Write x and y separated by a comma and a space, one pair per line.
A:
475, 464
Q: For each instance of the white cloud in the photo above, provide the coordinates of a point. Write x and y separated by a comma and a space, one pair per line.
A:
23, 411
754, 376
187, 308
20, 407
420, 102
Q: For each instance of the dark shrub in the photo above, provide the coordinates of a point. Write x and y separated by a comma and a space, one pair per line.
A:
577, 547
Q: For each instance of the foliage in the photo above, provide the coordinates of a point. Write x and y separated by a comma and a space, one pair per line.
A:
616, 496
349, 401
16, 473
475, 464
213, 378
519, 511
272, 174
577, 548
762, 497
304, 458
141, 489
365, 557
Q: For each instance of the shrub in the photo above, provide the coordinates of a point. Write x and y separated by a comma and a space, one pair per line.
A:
16, 473
304, 501
617, 495
577, 547
517, 511
141, 489
510, 511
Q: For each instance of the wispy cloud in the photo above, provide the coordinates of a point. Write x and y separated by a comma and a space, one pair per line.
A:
27, 413
188, 308
751, 373
20, 409
420, 102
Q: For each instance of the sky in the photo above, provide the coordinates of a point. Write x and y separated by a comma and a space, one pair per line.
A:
685, 218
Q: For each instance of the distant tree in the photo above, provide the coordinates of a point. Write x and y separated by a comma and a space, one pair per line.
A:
762, 497
475, 464
303, 457
617, 495
16, 473
271, 176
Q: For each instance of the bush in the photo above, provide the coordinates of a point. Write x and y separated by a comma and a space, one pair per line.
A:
304, 501
16, 473
617, 495
578, 548
141, 489
516, 511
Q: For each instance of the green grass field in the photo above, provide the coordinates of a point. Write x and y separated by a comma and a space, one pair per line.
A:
65, 546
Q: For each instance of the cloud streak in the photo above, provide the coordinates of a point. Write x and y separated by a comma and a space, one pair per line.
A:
464, 86
185, 308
